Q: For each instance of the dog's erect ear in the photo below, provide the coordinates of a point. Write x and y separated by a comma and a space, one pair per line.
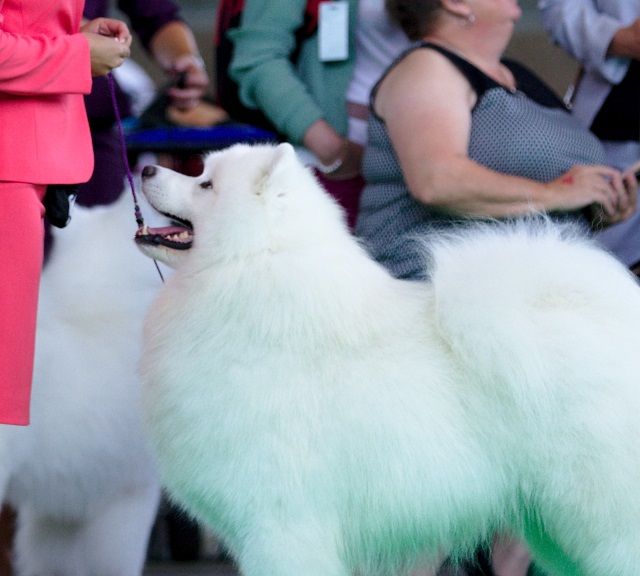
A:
284, 157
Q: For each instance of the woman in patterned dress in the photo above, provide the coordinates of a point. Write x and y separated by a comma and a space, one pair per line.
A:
456, 133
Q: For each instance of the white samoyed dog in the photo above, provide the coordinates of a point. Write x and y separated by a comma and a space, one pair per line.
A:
327, 419
82, 476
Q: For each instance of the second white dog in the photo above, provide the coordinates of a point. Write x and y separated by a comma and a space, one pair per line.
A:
327, 419
82, 476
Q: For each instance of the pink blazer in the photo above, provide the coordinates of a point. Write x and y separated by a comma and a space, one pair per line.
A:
45, 69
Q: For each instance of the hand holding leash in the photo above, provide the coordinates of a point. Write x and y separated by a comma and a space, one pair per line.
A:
109, 44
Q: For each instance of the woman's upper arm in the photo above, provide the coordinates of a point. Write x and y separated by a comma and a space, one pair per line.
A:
426, 105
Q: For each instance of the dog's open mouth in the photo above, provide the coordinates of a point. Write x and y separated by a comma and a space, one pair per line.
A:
177, 237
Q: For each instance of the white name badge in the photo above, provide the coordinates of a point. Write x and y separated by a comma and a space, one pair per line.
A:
333, 31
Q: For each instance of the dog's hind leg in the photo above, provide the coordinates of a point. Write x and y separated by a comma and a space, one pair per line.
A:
612, 557
547, 554
292, 551
116, 540
587, 544
111, 543
48, 546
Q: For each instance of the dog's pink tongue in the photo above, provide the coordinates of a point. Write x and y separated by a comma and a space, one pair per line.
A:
162, 231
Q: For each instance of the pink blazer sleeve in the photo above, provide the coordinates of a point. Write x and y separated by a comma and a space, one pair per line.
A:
44, 65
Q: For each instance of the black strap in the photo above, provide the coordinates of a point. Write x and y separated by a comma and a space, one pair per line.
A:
479, 81
526, 81
619, 117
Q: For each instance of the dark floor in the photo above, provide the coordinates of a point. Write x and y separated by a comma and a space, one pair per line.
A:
189, 568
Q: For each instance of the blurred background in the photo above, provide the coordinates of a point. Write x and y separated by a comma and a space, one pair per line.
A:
529, 45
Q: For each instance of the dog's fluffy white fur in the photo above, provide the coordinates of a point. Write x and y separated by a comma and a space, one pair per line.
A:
82, 476
327, 419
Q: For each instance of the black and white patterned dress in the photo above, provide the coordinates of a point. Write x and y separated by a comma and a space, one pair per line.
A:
526, 132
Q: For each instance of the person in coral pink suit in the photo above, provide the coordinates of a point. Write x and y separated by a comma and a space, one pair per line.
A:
46, 65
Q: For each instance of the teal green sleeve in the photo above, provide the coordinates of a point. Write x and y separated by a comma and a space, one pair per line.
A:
261, 65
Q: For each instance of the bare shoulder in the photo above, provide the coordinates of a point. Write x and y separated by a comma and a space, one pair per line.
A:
423, 78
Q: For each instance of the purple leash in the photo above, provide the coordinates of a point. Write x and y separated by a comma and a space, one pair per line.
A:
125, 160
123, 149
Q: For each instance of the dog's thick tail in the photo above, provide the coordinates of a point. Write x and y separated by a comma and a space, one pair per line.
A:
512, 299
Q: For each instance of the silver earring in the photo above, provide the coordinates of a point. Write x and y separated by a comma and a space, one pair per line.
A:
471, 19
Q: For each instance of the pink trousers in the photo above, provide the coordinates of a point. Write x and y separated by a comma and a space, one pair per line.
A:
21, 214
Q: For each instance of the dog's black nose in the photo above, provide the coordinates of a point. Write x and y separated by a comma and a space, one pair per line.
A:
149, 171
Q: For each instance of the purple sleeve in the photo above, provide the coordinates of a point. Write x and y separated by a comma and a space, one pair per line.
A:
95, 9
148, 16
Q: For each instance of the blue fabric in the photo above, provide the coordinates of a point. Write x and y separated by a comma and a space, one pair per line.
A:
170, 139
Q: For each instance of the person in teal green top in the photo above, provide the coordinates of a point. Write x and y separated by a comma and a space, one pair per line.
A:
302, 95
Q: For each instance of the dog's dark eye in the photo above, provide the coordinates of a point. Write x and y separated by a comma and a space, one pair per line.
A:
206, 185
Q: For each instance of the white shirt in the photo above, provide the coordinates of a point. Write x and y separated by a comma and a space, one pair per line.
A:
378, 42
